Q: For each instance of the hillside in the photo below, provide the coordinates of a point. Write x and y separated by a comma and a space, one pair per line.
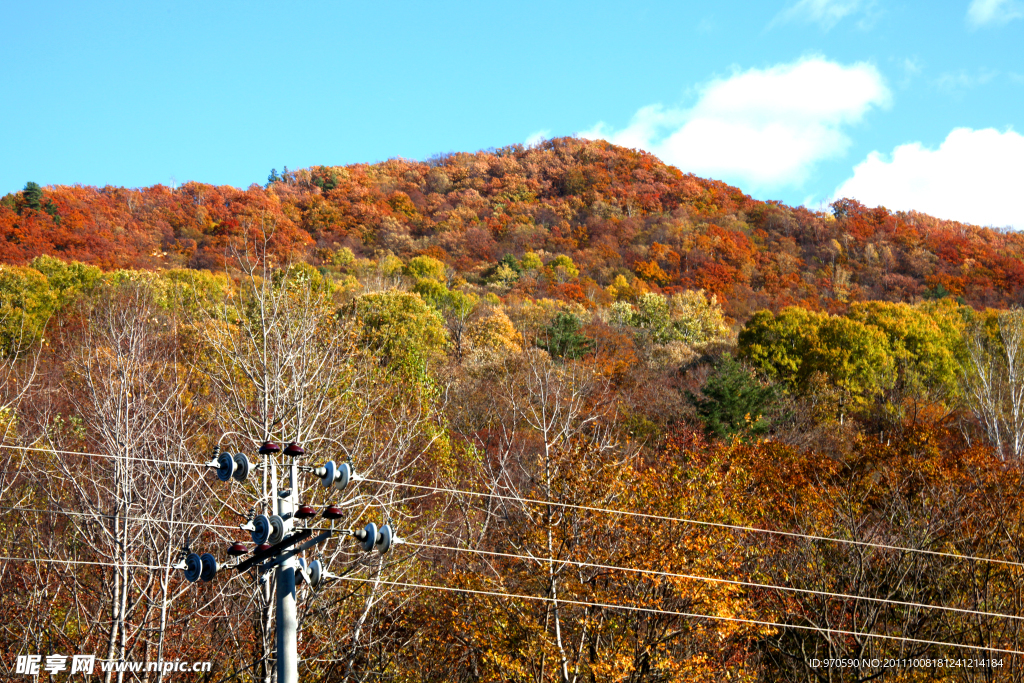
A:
611, 210
594, 465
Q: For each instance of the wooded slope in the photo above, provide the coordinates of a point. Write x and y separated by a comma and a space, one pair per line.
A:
612, 211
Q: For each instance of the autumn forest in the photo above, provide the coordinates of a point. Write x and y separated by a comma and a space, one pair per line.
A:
630, 424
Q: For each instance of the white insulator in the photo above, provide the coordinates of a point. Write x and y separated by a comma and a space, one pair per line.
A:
316, 573
210, 567
278, 527
369, 539
193, 567
261, 530
242, 467
328, 473
384, 538
343, 477
225, 466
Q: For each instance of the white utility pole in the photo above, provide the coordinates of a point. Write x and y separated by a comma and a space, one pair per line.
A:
277, 541
287, 620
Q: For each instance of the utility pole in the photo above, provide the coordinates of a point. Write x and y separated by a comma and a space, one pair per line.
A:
278, 540
287, 619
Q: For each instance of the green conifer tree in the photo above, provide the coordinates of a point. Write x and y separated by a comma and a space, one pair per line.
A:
733, 401
563, 339
33, 195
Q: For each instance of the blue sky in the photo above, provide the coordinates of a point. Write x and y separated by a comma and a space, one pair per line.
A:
907, 104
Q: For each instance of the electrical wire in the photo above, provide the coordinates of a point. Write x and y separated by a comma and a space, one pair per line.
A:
581, 603
632, 608
16, 508
111, 565
709, 579
106, 455
689, 615
592, 565
589, 508
698, 522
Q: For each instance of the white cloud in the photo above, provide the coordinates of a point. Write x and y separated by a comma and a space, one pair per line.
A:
761, 128
953, 81
705, 25
974, 176
912, 67
985, 12
825, 13
539, 136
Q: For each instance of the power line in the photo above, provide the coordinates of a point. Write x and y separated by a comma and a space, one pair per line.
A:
689, 615
109, 565
733, 582
589, 508
699, 522
16, 508
650, 572
105, 455
581, 603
